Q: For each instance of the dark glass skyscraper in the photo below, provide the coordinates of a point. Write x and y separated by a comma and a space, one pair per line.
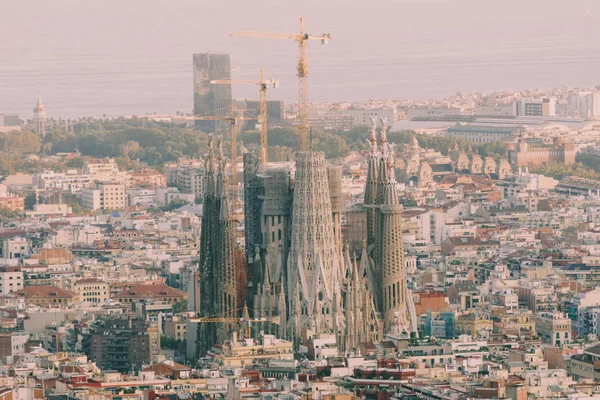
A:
212, 100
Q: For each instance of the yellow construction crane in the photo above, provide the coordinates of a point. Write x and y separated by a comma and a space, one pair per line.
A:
233, 120
302, 38
244, 319
263, 86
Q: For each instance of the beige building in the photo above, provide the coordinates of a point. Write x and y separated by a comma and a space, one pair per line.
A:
175, 329
104, 196
473, 323
92, 290
148, 178
520, 323
238, 352
553, 328
48, 296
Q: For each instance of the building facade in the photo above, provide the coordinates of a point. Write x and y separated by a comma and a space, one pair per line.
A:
104, 196
92, 290
524, 154
482, 134
11, 280
210, 99
553, 328
122, 344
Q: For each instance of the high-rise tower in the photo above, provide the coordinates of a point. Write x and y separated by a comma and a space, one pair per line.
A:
39, 118
212, 100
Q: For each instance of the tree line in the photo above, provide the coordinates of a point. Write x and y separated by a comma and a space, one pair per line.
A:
138, 141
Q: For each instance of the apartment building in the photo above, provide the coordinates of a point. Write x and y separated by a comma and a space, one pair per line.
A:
11, 280
122, 344
553, 328
92, 290
104, 196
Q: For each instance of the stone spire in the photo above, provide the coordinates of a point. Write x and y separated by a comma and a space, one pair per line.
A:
226, 250
389, 261
282, 310
312, 252
370, 197
208, 263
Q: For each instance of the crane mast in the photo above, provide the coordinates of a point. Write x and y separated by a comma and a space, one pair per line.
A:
262, 93
263, 153
304, 141
302, 38
233, 120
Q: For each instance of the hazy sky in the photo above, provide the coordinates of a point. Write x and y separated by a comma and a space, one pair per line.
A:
88, 57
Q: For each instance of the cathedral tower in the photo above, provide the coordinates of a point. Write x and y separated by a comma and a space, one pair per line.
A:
225, 265
312, 254
207, 333
370, 198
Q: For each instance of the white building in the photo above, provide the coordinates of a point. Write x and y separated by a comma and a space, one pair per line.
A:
166, 195
11, 280
70, 181
104, 196
432, 112
76, 234
49, 209
105, 167
363, 117
15, 248
143, 197
584, 104
497, 110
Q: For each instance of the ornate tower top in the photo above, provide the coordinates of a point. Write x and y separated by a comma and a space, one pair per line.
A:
383, 132
39, 117
391, 165
373, 137
39, 111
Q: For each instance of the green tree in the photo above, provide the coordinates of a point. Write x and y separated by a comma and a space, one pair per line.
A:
180, 306
332, 145
7, 166
75, 163
20, 142
7, 215
174, 204
281, 153
30, 201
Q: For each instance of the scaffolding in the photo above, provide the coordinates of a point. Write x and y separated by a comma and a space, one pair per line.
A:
218, 289
253, 189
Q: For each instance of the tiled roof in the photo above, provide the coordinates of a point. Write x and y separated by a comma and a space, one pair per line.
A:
171, 365
89, 280
143, 291
45, 291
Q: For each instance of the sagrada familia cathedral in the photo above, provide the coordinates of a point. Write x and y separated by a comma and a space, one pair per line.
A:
301, 278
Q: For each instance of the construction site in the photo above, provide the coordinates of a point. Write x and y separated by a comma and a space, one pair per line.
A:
301, 282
